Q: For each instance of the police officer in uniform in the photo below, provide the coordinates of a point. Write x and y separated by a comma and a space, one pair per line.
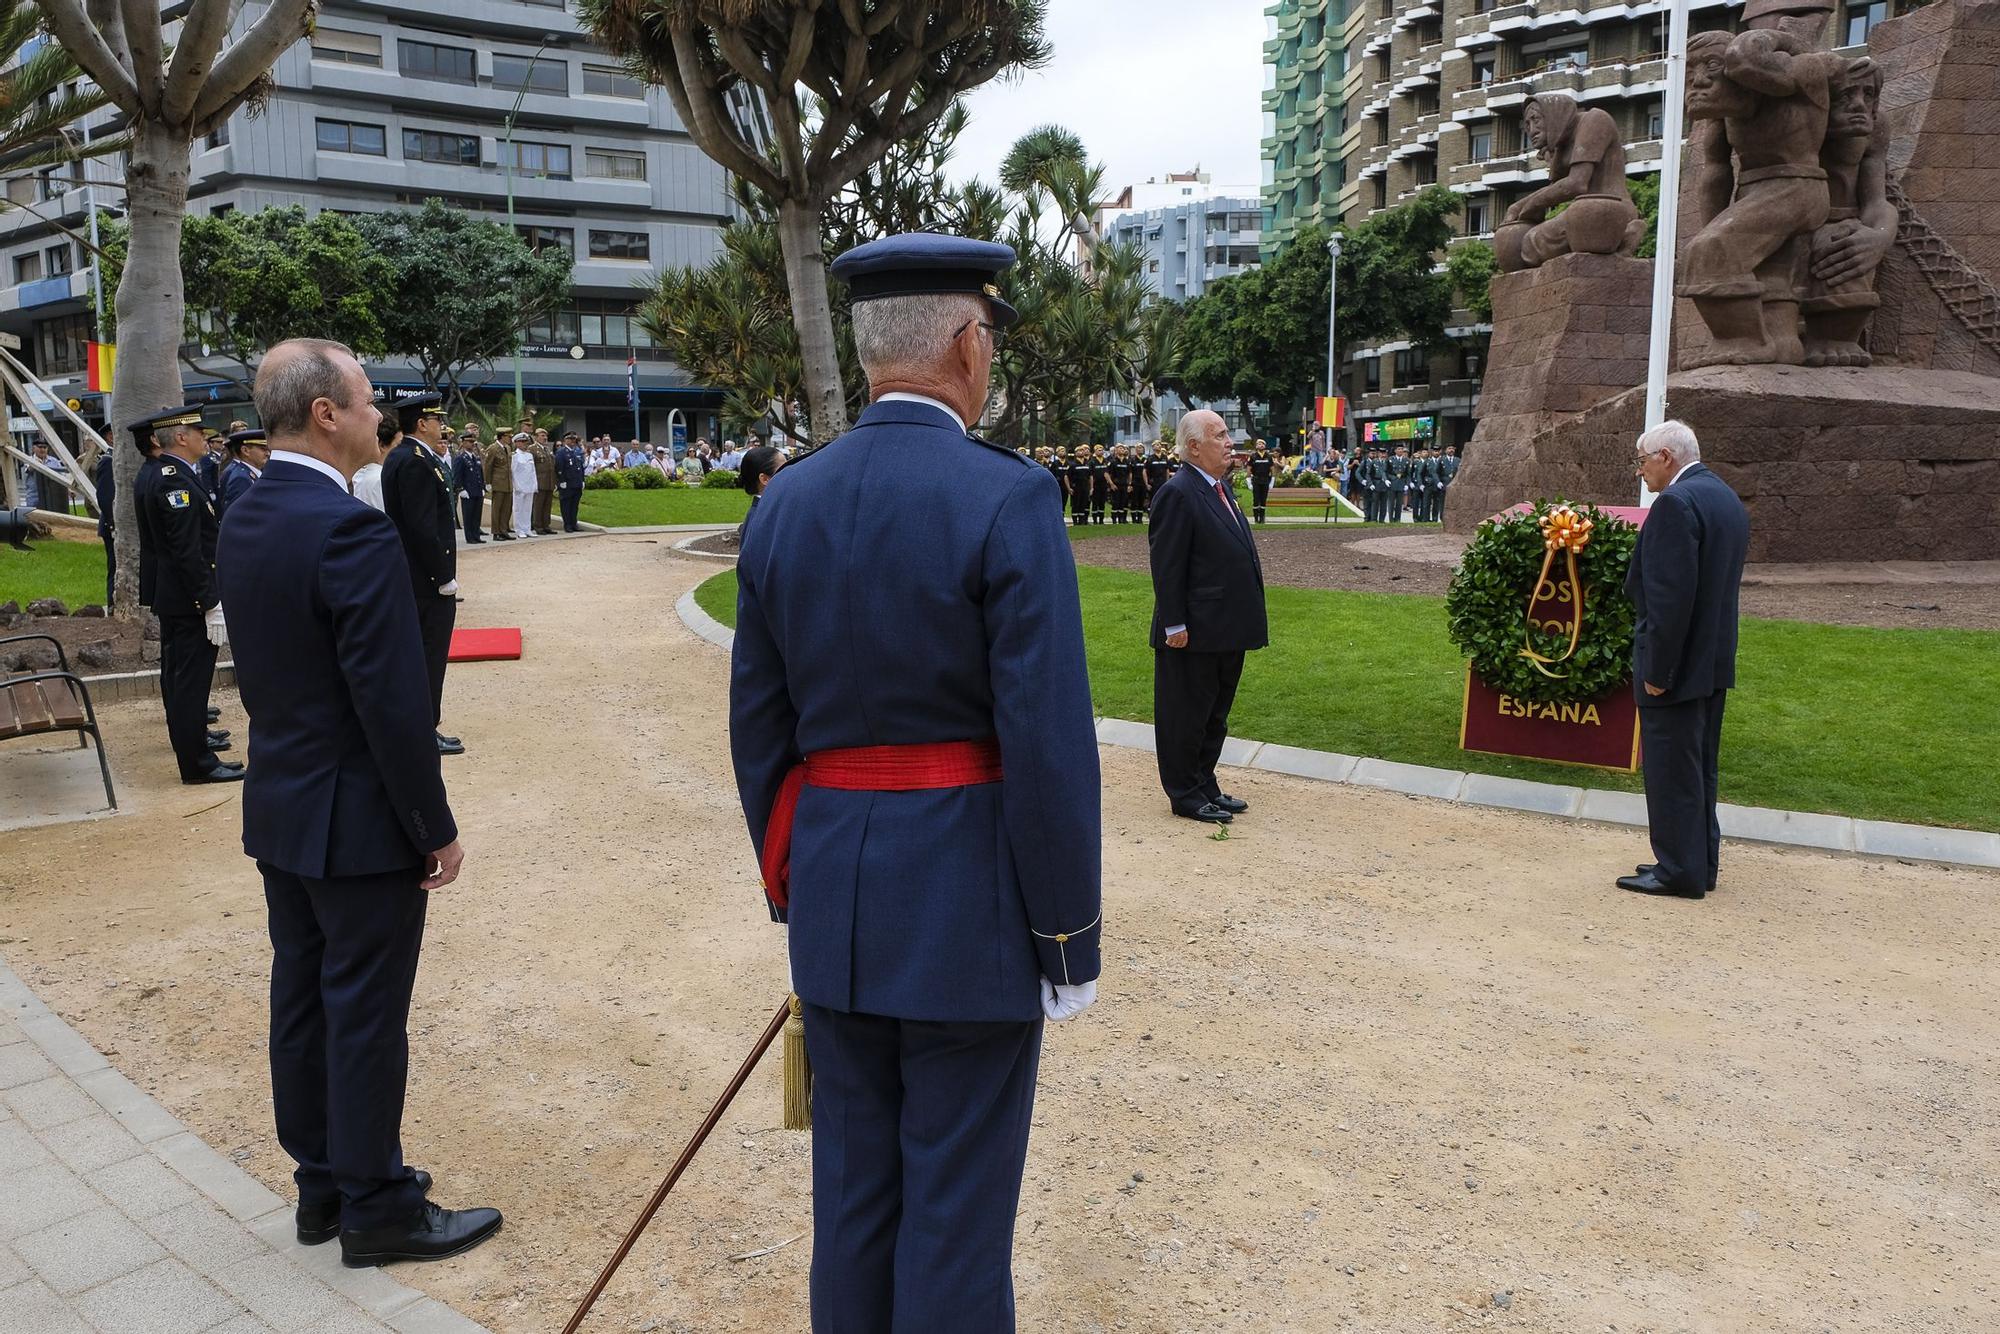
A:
569, 479
1447, 473
1262, 465
416, 495
469, 476
1399, 470
177, 532
1367, 468
499, 463
910, 722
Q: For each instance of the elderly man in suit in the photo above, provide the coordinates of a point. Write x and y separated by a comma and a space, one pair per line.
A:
911, 726
1208, 611
344, 811
1684, 578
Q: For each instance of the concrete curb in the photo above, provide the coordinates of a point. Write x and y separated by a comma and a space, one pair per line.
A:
1753, 824
114, 687
686, 547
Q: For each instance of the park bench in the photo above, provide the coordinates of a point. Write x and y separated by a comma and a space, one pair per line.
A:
34, 703
1321, 497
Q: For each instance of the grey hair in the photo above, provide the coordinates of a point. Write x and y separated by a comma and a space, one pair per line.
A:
1676, 438
894, 333
288, 385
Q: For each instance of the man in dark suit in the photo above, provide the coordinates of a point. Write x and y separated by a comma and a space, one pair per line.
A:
911, 726
1208, 610
107, 517
416, 495
1684, 578
345, 810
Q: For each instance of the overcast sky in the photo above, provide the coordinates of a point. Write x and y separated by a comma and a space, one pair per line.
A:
1151, 86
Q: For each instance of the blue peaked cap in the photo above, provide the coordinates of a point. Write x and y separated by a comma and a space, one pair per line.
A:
923, 263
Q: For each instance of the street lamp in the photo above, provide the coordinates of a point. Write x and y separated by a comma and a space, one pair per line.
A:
520, 401
1332, 310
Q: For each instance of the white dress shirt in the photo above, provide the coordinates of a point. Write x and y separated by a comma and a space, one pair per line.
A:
367, 485
897, 396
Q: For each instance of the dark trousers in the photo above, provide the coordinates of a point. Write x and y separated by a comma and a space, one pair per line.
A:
343, 963
1099, 499
435, 618
1260, 495
468, 510
571, 498
544, 500
1121, 505
187, 668
503, 512
1079, 507
920, 1133
110, 570
1682, 744
1192, 694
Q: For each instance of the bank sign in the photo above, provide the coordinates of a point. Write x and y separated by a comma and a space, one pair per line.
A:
1398, 428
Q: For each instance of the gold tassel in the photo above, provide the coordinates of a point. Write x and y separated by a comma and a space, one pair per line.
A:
798, 1073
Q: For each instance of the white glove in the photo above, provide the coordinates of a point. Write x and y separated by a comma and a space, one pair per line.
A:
1060, 1003
218, 630
446, 590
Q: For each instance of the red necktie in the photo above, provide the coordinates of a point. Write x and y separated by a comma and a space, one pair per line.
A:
1223, 496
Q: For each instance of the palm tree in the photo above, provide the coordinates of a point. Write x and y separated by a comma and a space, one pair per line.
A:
38, 116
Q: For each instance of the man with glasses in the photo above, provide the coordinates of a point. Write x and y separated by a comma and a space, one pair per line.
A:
911, 727
1683, 579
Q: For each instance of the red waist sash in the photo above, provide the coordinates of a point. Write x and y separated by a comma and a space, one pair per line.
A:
919, 768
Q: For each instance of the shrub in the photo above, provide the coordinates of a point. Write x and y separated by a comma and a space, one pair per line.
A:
608, 480
645, 478
719, 479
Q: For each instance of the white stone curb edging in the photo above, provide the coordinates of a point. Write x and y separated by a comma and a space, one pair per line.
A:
1756, 824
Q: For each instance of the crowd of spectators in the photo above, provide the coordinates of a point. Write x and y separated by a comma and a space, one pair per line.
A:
603, 454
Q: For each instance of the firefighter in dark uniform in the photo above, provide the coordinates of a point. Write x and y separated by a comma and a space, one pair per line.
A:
1142, 486
417, 496
1046, 457
1100, 482
177, 532
1119, 469
1262, 465
1080, 476
1159, 467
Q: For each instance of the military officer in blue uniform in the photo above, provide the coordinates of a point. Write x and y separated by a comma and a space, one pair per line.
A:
345, 811
910, 721
177, 534
247, 456
417, 497
570, 460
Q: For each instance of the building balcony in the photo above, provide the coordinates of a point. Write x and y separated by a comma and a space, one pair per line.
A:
1646, 78
40, 292
1411, 15
1642, 158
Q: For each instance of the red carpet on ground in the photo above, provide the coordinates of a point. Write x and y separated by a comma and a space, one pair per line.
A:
485, 645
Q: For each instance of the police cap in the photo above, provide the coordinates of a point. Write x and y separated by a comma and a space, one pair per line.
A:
926, 263
145, 428
238, 439
411, 404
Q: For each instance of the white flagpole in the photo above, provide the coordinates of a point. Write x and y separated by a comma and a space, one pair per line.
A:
1667, 245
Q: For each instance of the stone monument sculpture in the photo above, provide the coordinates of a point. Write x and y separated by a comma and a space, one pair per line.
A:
1586, 157
1860, 226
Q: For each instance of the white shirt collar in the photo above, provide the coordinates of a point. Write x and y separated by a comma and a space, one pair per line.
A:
897, 396
308, 461
1684, 467
255, 471
1212, 481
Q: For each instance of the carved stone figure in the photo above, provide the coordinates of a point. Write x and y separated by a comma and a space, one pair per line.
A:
1860, 224
1586, 157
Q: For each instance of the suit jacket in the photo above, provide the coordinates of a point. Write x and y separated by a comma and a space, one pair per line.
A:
331, 667
417, 497
909, 584
236, 479
1206, 573
468, 474
1683, 578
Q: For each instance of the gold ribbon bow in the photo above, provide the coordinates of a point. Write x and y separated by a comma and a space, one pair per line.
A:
1564, 530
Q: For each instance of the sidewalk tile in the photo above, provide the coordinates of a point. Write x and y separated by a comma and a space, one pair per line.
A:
31, 1306
243, 1196
167, 1298
63, 1045
48, 1102
280, 1292
1416, 780
1518, 794
19, 1148
13, 1269
16, 1001
95, 1141
142, 1186
1325, 765
23, 1063
10, 1032
38, 1197
372, 1289
132, 1105
243, 1324
203, 1236
431, 1316
87, 1250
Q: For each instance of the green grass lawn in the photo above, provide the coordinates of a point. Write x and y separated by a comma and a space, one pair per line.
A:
72, 571
1881, 724
673, 504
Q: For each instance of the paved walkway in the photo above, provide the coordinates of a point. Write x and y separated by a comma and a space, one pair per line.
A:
114, 1217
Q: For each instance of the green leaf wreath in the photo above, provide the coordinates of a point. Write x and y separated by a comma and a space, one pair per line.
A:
1487, 607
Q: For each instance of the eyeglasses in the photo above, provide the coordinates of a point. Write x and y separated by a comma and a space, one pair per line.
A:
993, 331
1640, 466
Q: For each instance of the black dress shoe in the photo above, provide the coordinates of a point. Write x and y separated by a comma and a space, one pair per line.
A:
450, 745
503, 537
218, 743
321, 1222
216, 734
433, 1234
1208, 813
475, 541
221, 773
1229, 803
214, 714
1653, 869
1650, 883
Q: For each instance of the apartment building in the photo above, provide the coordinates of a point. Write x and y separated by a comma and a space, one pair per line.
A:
387, 105
1305, 68
1187, 246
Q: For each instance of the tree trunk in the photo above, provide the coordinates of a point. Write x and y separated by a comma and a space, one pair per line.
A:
812, 316
151, 319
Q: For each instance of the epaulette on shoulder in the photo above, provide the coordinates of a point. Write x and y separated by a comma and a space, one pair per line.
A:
1000, 449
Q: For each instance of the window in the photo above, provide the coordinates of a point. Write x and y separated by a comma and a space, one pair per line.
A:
1478, 217
1413, 366
218, 137
541, 238
460, 150
1381, 129
61, 259
59, 344
1861, 20
620, 245
1483, 68
1481, 146
593, 323
27, 268
427, 60
1656, 121
611, 81
1425, 101
21, 190
1371, 376
1430, 33
614, 164
338, 47
550, 161
1382, 64
224, 210
537, 76
342, 136
1382, 192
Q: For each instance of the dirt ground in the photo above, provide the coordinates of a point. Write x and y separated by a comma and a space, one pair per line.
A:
1364, 560
1373, 1063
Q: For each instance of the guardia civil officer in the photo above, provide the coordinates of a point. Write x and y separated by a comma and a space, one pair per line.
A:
177, 533
1399, 473
911, 726
345, 812
570, 463
1447, 474
1262, 465
417, 497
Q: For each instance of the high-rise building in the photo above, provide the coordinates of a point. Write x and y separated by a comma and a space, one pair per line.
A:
383, 108
1305, 63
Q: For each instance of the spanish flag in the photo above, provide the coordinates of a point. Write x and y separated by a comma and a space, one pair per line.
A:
103, 363
1332, 412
